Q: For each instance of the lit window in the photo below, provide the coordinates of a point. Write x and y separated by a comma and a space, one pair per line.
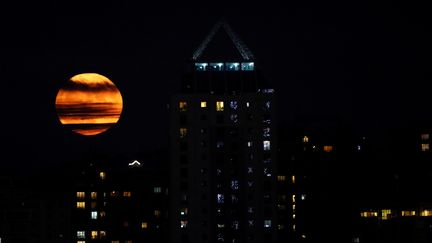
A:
305, 139
80, 195
81, 241
293, 179
293, 199
102, 234
369, 214
281, 226
219, 105
267, 105
216, 66
425, 147
426, 213
220, 198
94, 215
247, 104
157, 189
102, 175
233, 105
81, 234
115, 241
385, 214
235, 225
183, 105
425, 137
201, 66
266, 132
157, 213
232, 66
293, 216
94, 235
249, 170
281, 178
407, 213
247, 66
266, 145
128, 241
114, 194
250, 210
183, 224
249, 144
81, 205
221, 226
127, 194
144, 225
251, 223
328, 148
234, 185
267, 172
234, 118
183, 211
303, 197
102, 214
203, 104
183, 132
93, 195
267, 223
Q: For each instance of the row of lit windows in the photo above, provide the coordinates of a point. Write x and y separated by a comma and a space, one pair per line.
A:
93, 195
387, 213
235, 224
183, 131
93, 234
227, 66
220, 105
282, 178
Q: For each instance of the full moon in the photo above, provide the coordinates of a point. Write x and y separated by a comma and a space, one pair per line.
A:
89, 104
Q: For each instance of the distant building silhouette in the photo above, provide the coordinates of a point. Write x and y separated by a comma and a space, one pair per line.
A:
223, 147
120, 201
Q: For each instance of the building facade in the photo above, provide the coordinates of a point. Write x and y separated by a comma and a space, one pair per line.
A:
223, 149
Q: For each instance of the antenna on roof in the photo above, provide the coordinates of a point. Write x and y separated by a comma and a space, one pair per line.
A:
239, 44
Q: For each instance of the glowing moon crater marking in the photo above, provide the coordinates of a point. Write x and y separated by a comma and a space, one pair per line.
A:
89, 104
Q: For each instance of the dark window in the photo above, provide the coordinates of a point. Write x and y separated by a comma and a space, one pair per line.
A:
183, 119
203, 171
204, 196
219, 118
220, 131
183, 172
203, 117
183, 159
183, 145
183, 186
184, 238
203, 130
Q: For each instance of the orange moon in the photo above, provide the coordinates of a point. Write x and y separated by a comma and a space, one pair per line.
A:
89, 104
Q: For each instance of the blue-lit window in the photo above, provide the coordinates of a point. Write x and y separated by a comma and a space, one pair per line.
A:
216, 66
234, 118
202, 66
266, 132
266, 145
247, 66
220, 198
234, 185
232, 66
233, 105
267, 223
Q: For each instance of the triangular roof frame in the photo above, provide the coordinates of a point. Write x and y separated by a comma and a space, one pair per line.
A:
239, 44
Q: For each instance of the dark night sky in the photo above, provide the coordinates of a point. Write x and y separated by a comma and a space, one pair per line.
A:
367, 65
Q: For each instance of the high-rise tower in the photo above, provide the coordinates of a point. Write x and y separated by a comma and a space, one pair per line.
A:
223, 147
